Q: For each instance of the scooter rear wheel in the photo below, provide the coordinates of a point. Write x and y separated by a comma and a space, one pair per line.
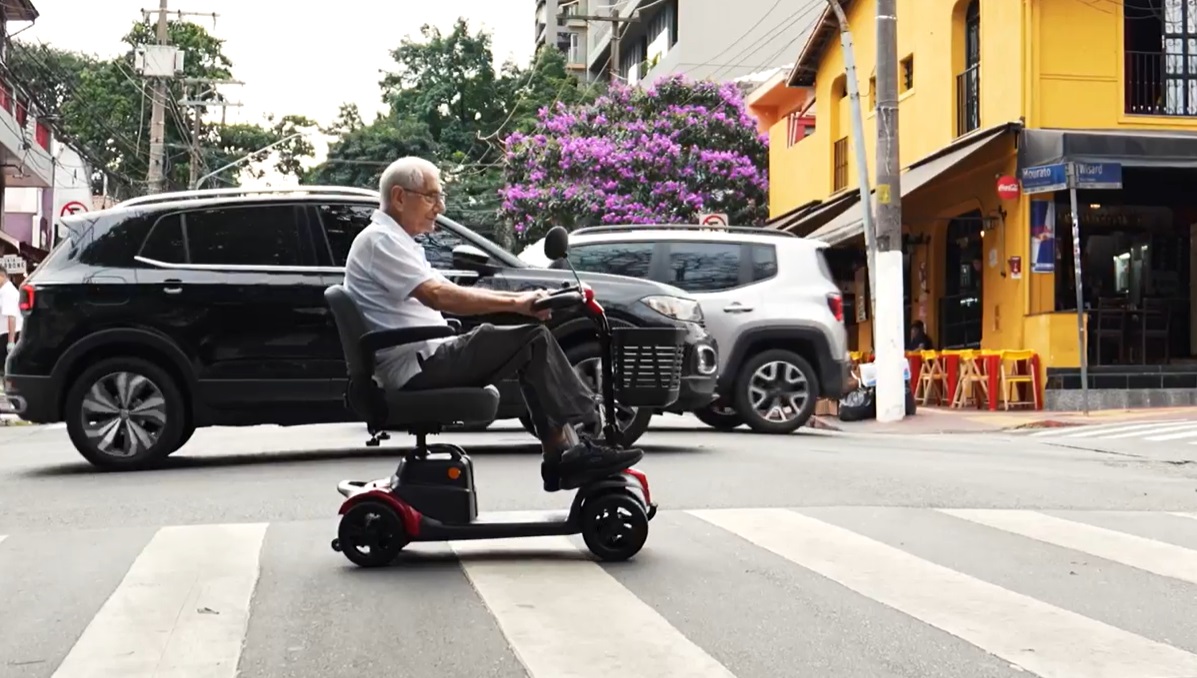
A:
614, 526
371, 534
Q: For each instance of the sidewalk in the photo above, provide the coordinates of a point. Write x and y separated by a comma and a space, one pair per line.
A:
943, 420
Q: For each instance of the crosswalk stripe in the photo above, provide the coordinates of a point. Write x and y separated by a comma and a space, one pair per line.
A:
1029, 633
1164, 428
182, 608
1190, 432
1191, 516
1149, 555
1106, 430
1088, 430
565, 616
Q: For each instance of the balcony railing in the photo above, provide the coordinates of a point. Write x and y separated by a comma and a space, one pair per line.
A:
968, 100
1158, 83
19, 105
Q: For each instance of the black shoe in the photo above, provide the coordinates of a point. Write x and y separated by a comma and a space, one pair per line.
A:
550, 474
589, 461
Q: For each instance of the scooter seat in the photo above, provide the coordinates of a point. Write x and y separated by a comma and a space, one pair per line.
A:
443, 406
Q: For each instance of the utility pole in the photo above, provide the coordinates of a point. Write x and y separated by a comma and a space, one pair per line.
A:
618, 26
155, 177
199, 105
161, 63
862, 158
889, 323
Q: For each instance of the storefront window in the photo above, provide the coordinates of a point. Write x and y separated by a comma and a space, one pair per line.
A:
960, 308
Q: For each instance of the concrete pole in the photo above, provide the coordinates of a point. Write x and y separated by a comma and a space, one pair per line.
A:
862, 158
889, 327
155, 177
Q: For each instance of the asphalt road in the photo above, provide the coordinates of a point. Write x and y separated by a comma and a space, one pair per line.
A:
807, 555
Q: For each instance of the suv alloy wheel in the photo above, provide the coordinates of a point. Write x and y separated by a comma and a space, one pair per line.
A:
125, 413
776, 391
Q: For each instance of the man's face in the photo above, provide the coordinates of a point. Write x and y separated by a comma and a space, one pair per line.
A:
418, 210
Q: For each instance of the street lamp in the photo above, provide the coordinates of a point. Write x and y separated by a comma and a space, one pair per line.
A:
196, 184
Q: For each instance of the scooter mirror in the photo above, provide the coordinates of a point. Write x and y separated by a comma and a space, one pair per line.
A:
556, 243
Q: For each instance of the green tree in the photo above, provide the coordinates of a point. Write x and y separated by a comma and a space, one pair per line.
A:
447, 102
104, 107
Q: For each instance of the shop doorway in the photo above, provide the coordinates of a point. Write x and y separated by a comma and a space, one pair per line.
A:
960, 308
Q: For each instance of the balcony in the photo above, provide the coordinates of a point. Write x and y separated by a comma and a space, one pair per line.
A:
1159, 83
968, 100
25, 139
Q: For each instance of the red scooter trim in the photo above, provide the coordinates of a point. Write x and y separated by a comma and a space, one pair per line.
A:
411, 518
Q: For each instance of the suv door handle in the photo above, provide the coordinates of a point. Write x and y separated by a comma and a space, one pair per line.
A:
737, 308
173, 286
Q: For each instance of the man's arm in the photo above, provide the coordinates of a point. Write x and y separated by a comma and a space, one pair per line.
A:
447, 297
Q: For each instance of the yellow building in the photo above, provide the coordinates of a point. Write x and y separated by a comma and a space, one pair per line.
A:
987, 89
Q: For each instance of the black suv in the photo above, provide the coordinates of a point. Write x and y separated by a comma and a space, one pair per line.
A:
206, 308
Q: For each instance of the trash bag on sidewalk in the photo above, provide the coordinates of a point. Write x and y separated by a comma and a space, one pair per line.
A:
861, 404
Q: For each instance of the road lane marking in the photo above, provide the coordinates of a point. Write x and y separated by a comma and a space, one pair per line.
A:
565, 616
1149, 555
1040, 638
1165, 428
1086, 429
1190, 516
181, 610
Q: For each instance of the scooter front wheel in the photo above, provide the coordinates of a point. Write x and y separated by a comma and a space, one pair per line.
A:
614, 526
371, 534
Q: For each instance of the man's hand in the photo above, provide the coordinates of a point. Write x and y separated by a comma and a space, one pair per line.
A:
525, 300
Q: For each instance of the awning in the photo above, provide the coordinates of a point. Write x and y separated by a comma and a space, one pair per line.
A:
850, 224
1131, 148
803, 221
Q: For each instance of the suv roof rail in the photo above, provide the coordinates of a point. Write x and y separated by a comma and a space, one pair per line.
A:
226, 192
616, 228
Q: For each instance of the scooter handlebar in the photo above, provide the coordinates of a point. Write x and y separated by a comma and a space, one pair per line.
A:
570, 296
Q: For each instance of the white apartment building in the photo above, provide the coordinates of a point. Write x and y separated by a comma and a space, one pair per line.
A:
702, 39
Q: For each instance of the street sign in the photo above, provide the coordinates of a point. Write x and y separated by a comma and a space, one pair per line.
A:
72, 207
713, 219
1044, 179
1097, 175
1083, 175
13, 264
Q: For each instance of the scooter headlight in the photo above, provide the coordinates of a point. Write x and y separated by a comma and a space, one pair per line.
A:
675, 307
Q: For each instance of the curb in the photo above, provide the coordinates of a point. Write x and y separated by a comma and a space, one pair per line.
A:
1043, 423
822, 423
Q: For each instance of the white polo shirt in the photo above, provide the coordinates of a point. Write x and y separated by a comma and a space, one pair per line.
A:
10, 306
385, 264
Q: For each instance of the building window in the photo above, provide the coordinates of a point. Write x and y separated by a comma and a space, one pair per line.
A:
968, 82
797, 128
907, 72
840, 165
1160, 57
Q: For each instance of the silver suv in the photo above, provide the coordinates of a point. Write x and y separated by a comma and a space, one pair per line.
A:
770, 302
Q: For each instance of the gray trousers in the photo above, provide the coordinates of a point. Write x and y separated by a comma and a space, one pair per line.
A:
488, 354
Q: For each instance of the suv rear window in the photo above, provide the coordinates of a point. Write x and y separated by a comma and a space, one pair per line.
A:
704, 266
617, 258
252, 235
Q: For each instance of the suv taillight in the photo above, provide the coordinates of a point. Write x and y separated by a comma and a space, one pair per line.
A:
26, 298
835, 302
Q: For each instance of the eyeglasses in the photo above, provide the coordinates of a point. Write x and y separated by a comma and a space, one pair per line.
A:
434, 197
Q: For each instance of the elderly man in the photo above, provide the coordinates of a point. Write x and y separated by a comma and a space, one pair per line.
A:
389, 278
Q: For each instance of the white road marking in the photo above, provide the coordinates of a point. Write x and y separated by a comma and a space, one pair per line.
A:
1041, 638
1149, 555
181, 610
565, 617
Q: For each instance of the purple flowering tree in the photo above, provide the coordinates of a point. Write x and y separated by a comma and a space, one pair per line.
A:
638, 156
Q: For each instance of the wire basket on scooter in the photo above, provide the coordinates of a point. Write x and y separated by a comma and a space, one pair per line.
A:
647, 364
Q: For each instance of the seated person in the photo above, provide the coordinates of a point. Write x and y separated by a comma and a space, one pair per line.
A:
919, 339
389, 278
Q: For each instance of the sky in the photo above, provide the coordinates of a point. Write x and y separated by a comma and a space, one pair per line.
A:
307, 63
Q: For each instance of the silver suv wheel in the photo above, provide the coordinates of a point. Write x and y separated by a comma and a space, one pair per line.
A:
776, 391
125, 413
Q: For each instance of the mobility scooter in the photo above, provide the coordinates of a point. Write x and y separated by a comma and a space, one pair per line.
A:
431, 496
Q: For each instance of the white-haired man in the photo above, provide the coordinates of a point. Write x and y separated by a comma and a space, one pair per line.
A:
390, 279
